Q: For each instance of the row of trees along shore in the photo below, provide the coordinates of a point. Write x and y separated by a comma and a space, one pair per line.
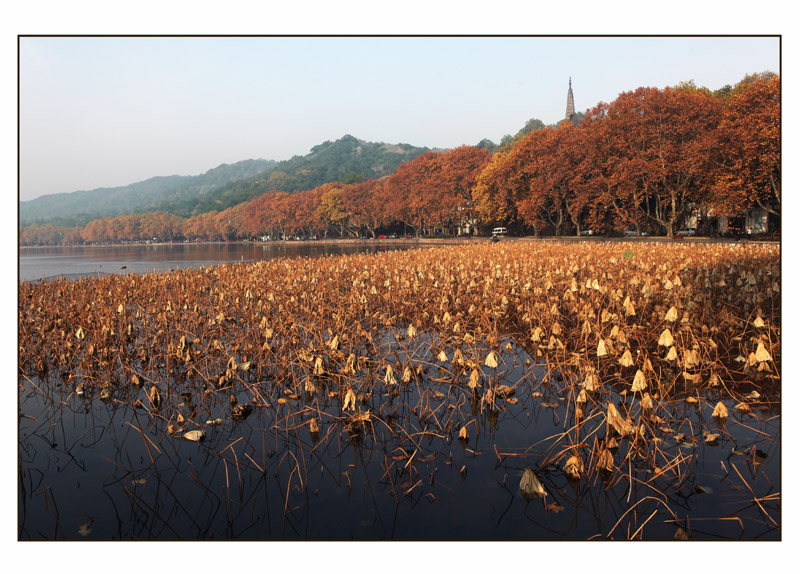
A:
641, 161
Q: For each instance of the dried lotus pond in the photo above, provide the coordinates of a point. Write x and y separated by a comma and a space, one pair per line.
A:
526, 390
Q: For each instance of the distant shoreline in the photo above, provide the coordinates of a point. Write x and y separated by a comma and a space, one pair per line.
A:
404, 241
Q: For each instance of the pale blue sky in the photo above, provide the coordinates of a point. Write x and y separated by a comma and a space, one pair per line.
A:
104, 112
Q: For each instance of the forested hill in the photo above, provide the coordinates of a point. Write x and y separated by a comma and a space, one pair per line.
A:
80, 207
346, 160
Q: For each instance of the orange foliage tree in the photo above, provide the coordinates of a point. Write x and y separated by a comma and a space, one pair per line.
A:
411, 190
662, 149
748, 159
365, 204
460, 168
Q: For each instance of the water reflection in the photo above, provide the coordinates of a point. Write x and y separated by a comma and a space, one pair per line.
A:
45, 262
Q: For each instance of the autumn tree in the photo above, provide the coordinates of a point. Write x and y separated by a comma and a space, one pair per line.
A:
365, 204
331, 208
460, 168
664, 154
411, 191
747, 171
548, 158
611, 200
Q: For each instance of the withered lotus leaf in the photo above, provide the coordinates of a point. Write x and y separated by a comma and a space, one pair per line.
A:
591, 382
626, 360
389, 378
666, 339
349, 400
720, 411
529, 486
573, 468
639, 384
491, 360
605, 461
762, 354
318, 369
463, 433
474, 378
194, 435
155, 397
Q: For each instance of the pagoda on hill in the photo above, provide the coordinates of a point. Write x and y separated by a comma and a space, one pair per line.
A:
570, 102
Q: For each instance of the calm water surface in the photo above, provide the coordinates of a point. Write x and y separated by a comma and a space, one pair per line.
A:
45, 262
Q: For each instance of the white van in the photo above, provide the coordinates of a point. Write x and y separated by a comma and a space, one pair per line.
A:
499, 231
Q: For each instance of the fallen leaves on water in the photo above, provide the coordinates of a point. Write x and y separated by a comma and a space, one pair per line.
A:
554, 507
503, 391
85, 529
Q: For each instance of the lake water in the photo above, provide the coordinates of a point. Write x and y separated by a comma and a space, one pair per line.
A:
47, 262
